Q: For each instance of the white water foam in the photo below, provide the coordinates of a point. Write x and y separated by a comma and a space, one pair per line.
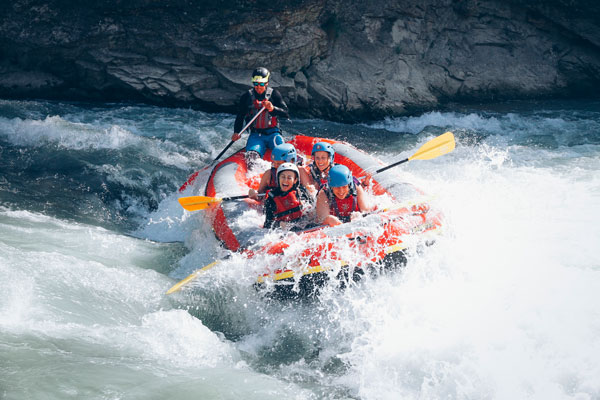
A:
82, 297
56, 131
505, 306
417, 125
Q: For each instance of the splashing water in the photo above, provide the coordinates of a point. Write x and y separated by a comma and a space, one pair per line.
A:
503, 306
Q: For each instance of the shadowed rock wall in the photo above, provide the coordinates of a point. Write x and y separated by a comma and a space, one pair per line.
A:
340, 60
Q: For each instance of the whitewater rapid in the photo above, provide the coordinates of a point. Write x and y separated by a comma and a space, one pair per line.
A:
505, 305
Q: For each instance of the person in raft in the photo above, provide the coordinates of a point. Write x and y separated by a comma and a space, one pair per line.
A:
342, 199
323, 155
282, 153
286, 205
264, 131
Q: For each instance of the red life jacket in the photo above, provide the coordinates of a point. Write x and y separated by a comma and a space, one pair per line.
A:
288, 206
265, 120
342, 208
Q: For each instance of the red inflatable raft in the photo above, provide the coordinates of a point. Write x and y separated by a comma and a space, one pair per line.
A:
402, 220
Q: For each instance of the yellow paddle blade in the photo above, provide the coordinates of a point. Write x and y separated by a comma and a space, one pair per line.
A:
190, 277
195, 203
439, 146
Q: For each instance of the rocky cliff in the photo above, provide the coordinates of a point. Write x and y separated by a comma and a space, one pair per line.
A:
341, 60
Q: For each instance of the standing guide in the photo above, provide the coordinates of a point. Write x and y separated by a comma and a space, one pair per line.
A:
265, 132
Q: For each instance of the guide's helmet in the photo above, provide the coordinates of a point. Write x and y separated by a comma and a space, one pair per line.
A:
260, 75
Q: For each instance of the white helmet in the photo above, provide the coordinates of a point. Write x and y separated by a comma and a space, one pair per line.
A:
288, 167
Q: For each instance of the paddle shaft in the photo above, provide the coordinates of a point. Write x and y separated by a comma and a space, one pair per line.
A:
391, 165
242, 131
243, 196
223, 152
194, 175
191, 277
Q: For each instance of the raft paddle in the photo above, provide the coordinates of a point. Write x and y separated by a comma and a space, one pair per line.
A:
191, 277
439, 146
242, 131
195, 203
193, 177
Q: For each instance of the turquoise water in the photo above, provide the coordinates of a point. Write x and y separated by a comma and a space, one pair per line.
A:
504, 306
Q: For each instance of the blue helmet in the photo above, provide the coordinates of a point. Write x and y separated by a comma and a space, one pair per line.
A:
284, 152
339, 175
322, 146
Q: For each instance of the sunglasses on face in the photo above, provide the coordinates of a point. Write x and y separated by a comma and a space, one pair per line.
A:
260, 83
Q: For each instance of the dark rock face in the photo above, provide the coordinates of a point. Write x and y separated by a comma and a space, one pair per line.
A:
342, 60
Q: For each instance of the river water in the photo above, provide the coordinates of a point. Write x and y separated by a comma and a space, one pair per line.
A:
506, 304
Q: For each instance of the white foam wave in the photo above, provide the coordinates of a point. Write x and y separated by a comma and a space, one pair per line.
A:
72, 135
539, 129
88, 286
505, 306
56, 131
177, 336
454, 120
